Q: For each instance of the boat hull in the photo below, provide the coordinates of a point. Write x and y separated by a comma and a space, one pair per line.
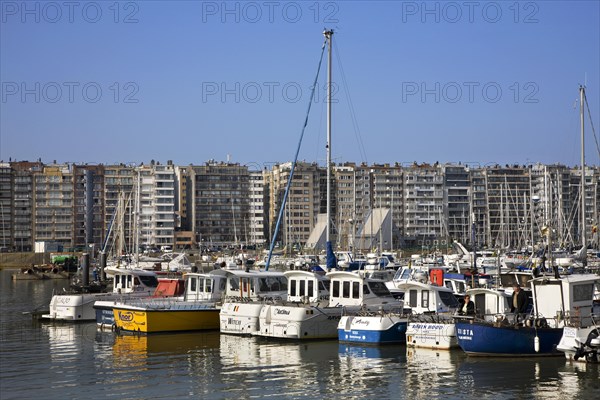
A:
431, 335
76, 307
372, 329
239, 318
580, 344
480, 339
299, 322
171, 319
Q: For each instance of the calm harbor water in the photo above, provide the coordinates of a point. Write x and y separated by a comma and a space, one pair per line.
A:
73, 361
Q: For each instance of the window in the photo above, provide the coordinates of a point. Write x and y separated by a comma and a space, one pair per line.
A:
335, 289
425, 299
412, 298
355, 290
193, 284
293, 287
346, 290
302, 288
311, 288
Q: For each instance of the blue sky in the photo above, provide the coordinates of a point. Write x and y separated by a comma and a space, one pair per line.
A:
480, 82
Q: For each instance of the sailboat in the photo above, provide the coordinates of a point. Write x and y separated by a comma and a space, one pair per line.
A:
309, 312
581, 341
558, 303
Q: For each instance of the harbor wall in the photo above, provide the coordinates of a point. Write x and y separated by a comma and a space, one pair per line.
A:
21, 260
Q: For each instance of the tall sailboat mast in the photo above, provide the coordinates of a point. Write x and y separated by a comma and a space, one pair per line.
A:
583, 233
328, 36
331, 259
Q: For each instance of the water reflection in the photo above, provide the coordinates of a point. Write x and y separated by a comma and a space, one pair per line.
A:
270, 368
432, 373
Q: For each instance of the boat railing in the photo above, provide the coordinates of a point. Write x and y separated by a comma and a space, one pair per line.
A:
436, 318
510, 320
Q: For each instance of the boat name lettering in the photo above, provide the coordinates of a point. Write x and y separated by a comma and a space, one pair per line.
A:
464, 332
63, 300
279, 311
126, 316
231, 321
359, 321
334, 317
427, 326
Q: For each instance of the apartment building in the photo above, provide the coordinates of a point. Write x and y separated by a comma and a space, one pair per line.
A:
306, 199
424, 215
221, 203
257, 208
6, 220
53, 205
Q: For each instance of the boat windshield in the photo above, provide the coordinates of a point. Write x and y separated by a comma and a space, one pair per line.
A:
402, 274
448, 299
149, 280
379, 289
273, 284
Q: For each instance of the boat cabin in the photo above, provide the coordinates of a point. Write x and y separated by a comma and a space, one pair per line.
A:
490, 302
306, 287
253, 284
205, 287
350, 289
423, 297
566, 299
134, 280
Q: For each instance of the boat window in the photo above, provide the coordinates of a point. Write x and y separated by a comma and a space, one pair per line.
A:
425, 299
129, 280
273, 284
264, 285
346, 290
379, 289
149, 280
401, 274
302, 288
366, 289
117, 280
448, 299
311, 288
323, 286
136, 281
412, 298
355, 290
192, 285
208, 286
233, 284
448, 284
584, 292
335, 288
460, 287
293, 287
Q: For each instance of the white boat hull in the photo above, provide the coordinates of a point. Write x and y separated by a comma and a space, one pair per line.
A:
429, 335
299, 322
240, 318
80, 307
574, 343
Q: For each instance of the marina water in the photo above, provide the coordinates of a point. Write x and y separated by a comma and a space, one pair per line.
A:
76, 361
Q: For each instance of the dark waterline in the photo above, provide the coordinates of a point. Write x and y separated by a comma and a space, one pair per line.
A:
72, 361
